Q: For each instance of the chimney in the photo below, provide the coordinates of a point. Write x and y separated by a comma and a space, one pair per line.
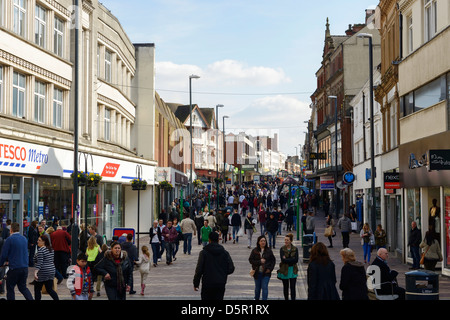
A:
349, 31
369, 13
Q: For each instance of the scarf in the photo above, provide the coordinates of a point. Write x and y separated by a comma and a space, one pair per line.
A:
119, 273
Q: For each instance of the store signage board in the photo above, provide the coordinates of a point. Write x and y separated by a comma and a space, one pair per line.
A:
26, 158
439, 159
392, 180
326, 183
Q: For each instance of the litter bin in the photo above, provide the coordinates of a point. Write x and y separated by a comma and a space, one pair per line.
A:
308, 240
422, 285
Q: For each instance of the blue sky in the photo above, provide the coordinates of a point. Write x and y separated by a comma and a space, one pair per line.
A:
256, 57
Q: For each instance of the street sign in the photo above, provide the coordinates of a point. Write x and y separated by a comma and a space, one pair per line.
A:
392, 180
348, 177
318, 156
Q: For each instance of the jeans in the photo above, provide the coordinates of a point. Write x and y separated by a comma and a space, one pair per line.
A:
272, 236
169, 251
235, 231
345, 239
279, 226
367, 248
249, 236
415, 253
187, 243
48, 286
261, 284
262, 225
17, 277
156, 251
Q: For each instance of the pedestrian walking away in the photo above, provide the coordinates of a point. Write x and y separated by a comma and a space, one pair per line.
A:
213, 267
353, 281
321, 275
345, 225
431, 250
133, 256
188, 229
263, 262
249, 228
144, 266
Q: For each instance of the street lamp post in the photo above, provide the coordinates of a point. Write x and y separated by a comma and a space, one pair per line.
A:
372, 149
190, 127
224, 149
336, 153
217, 155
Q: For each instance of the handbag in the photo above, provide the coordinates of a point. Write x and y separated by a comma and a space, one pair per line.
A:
240, 232
422, 259
252, 272
328, 231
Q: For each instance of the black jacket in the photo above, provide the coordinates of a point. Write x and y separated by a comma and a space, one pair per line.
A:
152, 233
415, 237
353, 281
272, 225
255, 261
322, 281
213, 266
107, 265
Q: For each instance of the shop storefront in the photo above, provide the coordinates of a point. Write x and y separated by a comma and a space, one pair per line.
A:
35, 184
421, 186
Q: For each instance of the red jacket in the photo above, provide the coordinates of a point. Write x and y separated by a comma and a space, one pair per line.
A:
61, 240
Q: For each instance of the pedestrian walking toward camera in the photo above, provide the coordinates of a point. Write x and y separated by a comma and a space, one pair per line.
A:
115, 268
380, 237
144, 266
170, 235
366, 241
213, 267
44, 273
249, 228
321, 275
414, 241
272, 228
155, 241
15, 254
263, 261
353, 277
288, 267
236, 223
80, 282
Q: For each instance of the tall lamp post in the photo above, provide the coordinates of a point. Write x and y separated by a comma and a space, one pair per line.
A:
217, 155
372, 149
336, 153
190, 127
224, 153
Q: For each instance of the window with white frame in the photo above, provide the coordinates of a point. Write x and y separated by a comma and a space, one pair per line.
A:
19, 81
1, 89
393, 122
107, 124
19, 17
40, 26
430, 20
58, 37
1, 12
98, 60
108, 65
39, 102
57, 107
410, 34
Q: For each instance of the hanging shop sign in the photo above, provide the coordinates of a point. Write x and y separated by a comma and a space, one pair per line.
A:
392, 180
326, 183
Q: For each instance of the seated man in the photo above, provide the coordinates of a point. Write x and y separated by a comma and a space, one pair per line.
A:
387, 276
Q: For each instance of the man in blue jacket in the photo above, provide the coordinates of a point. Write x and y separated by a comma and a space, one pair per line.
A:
15, 254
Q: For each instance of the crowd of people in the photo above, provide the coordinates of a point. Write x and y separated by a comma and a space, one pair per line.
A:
243, 211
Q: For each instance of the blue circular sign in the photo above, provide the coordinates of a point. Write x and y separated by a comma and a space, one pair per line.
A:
348, 177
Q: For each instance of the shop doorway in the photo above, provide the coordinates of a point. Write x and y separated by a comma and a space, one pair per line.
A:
10, 199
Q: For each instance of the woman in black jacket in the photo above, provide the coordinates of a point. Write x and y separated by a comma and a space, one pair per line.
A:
262, 261
353, 277
321, 275
155, 241
115, 267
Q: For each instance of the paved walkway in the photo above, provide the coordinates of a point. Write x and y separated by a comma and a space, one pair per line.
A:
174, 282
